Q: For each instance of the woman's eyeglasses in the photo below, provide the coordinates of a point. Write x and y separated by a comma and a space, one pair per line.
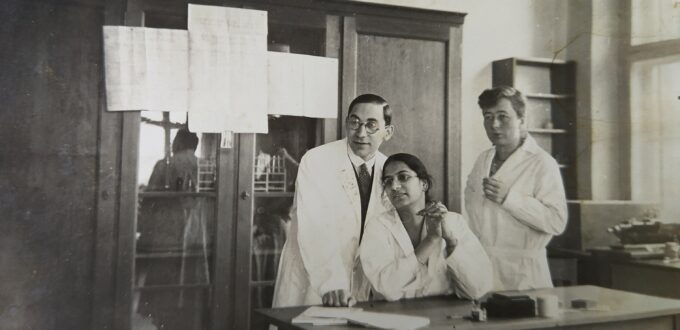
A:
401, 178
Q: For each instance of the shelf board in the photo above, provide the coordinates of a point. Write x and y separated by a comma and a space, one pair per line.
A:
548, 131
562, 166
274, 194
262, 283
539, 61
549, 96
174, 194
173, 286
268, 252
169, 254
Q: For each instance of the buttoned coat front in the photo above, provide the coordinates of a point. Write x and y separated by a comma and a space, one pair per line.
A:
515, 233
321, 252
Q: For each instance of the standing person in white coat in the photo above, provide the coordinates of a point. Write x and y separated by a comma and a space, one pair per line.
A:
514, 197
420, 250
337, 188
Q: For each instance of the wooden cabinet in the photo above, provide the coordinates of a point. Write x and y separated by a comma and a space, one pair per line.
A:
415, 63
409, 56
276, 156
651, 277
549, 86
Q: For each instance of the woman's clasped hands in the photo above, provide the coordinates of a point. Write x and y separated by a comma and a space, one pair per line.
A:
437, 226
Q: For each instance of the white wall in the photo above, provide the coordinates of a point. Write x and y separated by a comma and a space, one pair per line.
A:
495, 30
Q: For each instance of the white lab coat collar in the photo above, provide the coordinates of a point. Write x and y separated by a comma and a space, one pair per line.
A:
351, 187
392, 222
528, 148
357, 161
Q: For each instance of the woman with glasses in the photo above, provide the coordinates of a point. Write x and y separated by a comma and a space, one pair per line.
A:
419, 248
514, 197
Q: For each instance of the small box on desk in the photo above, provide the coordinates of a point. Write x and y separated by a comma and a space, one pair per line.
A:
505, 305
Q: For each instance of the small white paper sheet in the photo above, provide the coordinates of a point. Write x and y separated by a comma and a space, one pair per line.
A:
303, 85
145, 69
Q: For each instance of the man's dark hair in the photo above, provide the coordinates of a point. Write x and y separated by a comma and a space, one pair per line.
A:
374, 99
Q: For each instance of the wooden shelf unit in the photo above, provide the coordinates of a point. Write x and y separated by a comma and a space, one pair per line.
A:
549, 86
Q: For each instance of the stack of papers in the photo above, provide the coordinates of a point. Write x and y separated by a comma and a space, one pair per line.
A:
388, 321
316, 315
324, 315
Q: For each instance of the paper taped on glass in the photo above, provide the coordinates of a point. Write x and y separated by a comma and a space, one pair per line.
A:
303, 85
145, 69
218, 71
228, 65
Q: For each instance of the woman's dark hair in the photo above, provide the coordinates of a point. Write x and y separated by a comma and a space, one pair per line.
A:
416, 166
184, 140
492, 96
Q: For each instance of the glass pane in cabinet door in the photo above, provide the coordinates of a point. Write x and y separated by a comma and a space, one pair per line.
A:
175, 224
275, 168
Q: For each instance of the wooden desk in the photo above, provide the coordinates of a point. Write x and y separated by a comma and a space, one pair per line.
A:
627, 311
652, 277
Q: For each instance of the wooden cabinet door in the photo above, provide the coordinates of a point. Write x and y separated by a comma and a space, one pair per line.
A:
415, 66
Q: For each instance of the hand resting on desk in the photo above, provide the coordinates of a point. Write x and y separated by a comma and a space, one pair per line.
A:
337, 298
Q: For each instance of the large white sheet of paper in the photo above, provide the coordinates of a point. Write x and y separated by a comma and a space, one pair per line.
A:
167, 68
303, 85
145, 69
388, 320
286, 84
317, 315
321, 87
228, 69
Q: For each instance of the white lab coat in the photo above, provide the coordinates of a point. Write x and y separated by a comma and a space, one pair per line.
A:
321, 253
516, 233
389, 261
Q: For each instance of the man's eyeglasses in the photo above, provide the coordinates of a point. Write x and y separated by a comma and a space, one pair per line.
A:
355, 124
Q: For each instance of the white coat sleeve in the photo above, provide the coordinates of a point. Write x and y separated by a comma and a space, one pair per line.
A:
316, 222
391, 276
546, 209
471, 191
469, 264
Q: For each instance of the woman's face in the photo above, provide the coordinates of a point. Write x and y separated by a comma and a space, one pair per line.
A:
502, 124
402, 185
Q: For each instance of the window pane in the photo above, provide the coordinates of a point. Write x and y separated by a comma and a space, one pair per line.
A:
275, 169
654, 20
655, 138
175, 225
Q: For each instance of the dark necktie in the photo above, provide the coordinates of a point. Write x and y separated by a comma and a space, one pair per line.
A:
364, 180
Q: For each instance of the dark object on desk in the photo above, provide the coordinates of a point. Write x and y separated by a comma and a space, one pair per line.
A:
629, 252
509, 306
583, 303
645, 232
477, 314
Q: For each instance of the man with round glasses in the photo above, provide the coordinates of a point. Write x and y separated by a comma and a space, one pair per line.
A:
337, 189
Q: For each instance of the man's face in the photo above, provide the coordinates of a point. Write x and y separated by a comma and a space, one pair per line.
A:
502, 125
362, 142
